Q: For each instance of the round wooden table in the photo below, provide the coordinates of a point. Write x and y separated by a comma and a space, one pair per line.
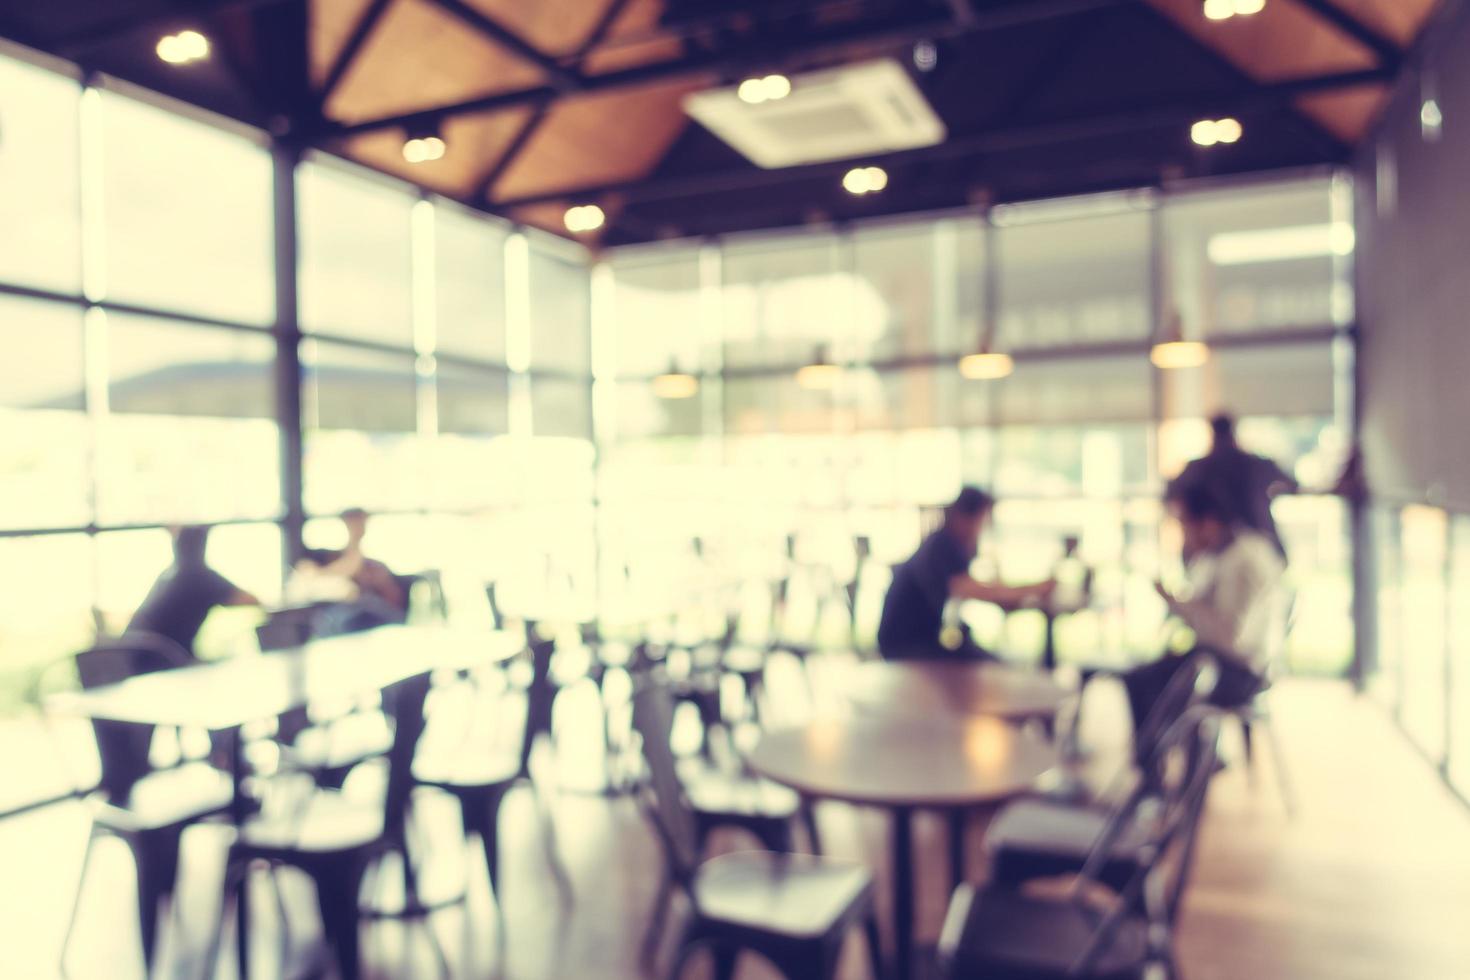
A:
928, 688
902, 764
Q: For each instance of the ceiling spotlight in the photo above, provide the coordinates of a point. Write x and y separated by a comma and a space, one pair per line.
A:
768, 88
424, 147
1226, 9
1431, 120
1208, 132
583, 218
865, 180
183, 47
1172, 351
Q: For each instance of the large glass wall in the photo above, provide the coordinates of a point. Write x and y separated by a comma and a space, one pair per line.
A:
798, 482
445, 380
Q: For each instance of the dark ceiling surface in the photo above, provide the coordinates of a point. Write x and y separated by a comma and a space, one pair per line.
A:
560, 102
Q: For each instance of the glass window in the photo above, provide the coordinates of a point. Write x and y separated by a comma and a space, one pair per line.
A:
1422, 704
642, 413
469, 284
560, 290
470, 401
776, 403
190, 435
1260, 259
39, 209
1387, 676
188, 214
359, 410
1275, 379
561, 407
354, 255
782, 298
895, 269
1459, 633
657, 311
912, 398
1074, 281
1084, 390
44, 436
45, 608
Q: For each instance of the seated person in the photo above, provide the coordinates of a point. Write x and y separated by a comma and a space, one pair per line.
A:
362, 592
185, 593
912, 624
1232, 605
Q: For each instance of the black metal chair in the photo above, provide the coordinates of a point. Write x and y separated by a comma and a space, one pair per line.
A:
997, 932
1042, 838
793, 909
479, 782
336, 840
147, 809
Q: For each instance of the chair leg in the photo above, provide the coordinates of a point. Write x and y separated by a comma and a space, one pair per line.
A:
657, 919
875, 947
156, 854
726, 957
1278, 760
337, 886
809, 820
481, 815
1246, 742
76, 904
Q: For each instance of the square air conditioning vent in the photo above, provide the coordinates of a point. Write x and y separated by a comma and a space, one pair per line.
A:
853, 111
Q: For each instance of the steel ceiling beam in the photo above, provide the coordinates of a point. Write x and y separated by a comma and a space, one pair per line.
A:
361, 31
610, 13
562, 79
1090, 125
898, 28
77, 44
1386, 51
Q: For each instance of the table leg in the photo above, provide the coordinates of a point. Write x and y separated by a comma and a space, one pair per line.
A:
1049, 651
903, 893
957, 823
239, 811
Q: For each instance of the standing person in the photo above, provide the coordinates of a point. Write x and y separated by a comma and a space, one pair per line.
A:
184, 594
1233, 605
912, 625
1243, 482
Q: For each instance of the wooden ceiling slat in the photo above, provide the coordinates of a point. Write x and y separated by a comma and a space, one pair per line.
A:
1283, 41
599, 138
332, 23
634, 39
555, 27
1398, 20
1347, 114
419, 57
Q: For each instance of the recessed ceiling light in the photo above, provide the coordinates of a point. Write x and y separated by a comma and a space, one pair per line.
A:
865, 180
183, 47
1208, 132
1431, 120
1226, 9
768, 88
584, 217
424, 148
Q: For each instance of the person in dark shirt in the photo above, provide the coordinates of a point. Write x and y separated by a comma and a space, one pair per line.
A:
912, 625
1243, 482
184, 594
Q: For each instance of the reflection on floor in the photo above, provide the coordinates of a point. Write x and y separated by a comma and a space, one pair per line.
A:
1367, 881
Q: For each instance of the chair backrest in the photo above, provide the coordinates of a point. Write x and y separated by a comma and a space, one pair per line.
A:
1185, 754
285, 629
122, 747
1191, 684
404, 703
653, 719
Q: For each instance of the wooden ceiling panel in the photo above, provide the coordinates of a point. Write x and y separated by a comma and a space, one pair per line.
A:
475, 143
554, 27
418, 57
1346, 114
1285, 40
635, 38
602, 138
1398, 20
332, 23
548, 216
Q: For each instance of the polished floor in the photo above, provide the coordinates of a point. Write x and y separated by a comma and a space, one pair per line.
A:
1368, 879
